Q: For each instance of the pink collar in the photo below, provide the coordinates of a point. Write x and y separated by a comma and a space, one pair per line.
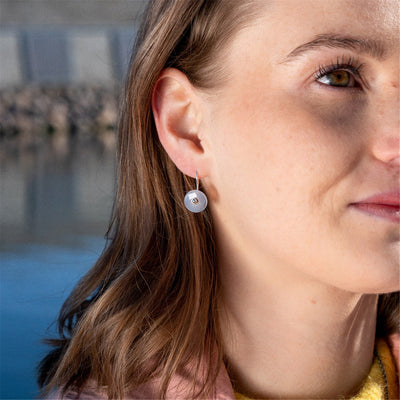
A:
180, 385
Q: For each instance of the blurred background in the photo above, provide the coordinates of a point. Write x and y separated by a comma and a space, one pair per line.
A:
62, 65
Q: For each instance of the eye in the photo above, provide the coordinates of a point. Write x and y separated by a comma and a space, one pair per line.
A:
341, 74
338, 78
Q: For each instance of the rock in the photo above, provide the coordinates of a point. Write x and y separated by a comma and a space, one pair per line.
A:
32, 115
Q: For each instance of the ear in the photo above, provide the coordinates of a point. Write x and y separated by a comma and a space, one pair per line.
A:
178, 115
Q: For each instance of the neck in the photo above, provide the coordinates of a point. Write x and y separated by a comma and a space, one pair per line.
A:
289, 336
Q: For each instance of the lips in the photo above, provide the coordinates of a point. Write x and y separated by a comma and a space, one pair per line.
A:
382, 205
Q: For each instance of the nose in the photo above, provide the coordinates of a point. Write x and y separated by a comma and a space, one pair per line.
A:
386, 143
387, 149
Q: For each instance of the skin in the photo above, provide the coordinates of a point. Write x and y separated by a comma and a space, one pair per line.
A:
281, 155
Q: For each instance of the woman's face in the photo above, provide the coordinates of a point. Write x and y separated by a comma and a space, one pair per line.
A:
301, 131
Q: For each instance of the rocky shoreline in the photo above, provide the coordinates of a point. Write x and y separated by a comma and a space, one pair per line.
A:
31, 116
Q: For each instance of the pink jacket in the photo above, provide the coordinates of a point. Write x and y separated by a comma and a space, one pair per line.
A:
181, 385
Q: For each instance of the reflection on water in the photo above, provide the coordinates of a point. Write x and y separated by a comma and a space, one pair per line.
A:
54, 211
45, 194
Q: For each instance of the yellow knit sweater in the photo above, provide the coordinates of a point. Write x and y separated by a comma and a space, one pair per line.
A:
373, 387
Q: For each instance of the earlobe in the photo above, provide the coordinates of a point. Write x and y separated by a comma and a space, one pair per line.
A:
177, 115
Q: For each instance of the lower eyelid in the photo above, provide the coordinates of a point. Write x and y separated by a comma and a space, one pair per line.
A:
344, 89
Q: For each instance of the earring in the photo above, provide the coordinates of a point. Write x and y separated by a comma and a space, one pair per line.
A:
195, 200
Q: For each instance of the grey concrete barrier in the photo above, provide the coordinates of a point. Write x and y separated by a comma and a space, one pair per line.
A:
64, 55
10, 58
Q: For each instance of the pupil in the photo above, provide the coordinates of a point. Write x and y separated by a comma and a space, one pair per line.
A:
340, 78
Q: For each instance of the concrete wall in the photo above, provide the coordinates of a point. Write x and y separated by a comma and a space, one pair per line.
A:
52, 42
69, 12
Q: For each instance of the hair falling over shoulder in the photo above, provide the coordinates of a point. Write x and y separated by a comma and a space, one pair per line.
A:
148, 306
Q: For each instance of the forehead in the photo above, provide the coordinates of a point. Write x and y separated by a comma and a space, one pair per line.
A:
374, 11
295, 20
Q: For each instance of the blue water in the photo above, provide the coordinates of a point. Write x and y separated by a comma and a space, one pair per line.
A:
55, 205
35, 280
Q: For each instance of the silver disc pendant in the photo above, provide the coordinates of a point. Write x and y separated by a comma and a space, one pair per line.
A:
195, 201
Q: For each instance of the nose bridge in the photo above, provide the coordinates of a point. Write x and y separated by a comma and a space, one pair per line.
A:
388, 107
386, 143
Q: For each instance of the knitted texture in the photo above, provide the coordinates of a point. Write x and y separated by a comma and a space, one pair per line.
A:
373, 387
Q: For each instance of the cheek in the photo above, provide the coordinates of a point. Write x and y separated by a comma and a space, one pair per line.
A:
342, 117
254, 146
287, 142
265, 161
285, 169
280, 158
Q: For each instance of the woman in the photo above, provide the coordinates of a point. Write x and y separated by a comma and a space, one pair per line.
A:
286, 284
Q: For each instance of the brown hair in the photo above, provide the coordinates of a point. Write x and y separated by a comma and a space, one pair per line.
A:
148, 306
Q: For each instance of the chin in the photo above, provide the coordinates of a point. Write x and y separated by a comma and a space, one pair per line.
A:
385, 283
378, 270
373, 280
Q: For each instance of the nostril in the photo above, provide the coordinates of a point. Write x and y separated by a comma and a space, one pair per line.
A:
394, 162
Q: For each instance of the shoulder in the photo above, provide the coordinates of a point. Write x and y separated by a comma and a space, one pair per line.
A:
89, 392
178, 390
92, 392
180, 387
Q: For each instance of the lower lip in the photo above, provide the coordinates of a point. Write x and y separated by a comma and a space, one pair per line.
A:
391, 213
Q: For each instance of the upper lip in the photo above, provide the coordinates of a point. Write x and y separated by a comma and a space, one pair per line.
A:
387, 198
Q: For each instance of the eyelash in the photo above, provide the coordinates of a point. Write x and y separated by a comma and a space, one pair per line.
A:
352, 65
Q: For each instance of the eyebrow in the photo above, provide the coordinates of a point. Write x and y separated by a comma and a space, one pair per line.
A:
369, 46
